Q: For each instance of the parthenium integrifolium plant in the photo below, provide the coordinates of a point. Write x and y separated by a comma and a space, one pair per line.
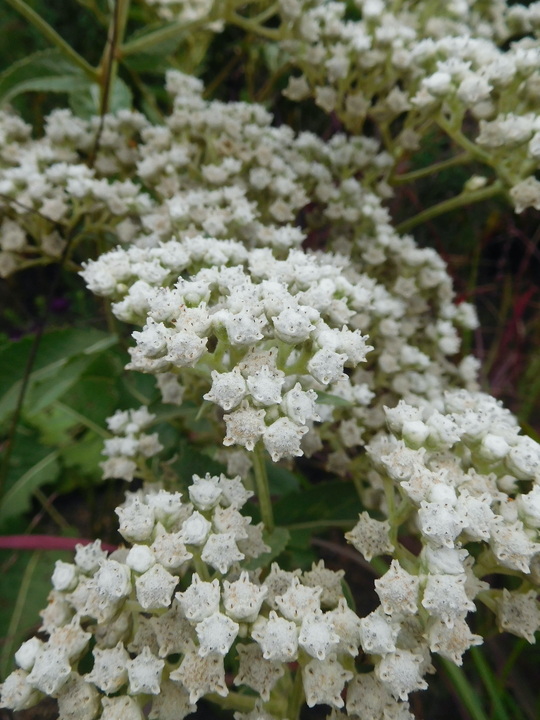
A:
349, 356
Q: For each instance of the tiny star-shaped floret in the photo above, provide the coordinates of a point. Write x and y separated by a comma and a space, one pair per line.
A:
324, 681
216, 634
144, 673
256, 671
298, 600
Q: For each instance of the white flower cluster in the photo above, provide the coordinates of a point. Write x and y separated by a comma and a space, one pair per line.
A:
151, 641
464, 475
446, 63
221, 170
129, 444
275, 337
122, 605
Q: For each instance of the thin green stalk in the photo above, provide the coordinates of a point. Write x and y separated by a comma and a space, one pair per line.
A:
90, 424
464, 690
464, 198
53, 37
414, 175
19, 608
233, 701
250, 26
296, 699
493, 687
163, 34
261, 486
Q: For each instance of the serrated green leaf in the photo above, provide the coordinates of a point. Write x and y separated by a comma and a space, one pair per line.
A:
47, 70
16, 499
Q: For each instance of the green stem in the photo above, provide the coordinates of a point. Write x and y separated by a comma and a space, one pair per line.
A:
53, 37
490, 683
464, 198
414, 175
296, 699
19, 609
90, 424
233, 701
464, 690
253, 27
163, 34
261, 486
200, 567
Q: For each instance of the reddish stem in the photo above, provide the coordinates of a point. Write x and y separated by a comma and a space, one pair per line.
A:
45, 542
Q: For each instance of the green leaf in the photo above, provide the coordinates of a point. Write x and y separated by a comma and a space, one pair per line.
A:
281, 480
85, 100
26, 582
56, 350
324, 501
44, 71
16, 499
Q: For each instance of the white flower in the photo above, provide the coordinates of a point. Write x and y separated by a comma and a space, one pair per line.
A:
27, 653
401, 672
110, 668
184, 348
144, 673
195, 529
244, 426
17, 693
50, 671
155, 588
243, 328
451, 642
324, 681
201, 675
121, 708
256, 672
298, 600
140, 558
293, 325
88, 557
265, 386
200, 599
398, 590
378, 634
326, 366
113, 579
445, 598
242, 599
519, 613
317, 636
136, 521
300, 405
282, 438
347, 626
172, 703
65, 576
228, 389
221, 551
277, 637
216, 634
371, 537
205, 493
